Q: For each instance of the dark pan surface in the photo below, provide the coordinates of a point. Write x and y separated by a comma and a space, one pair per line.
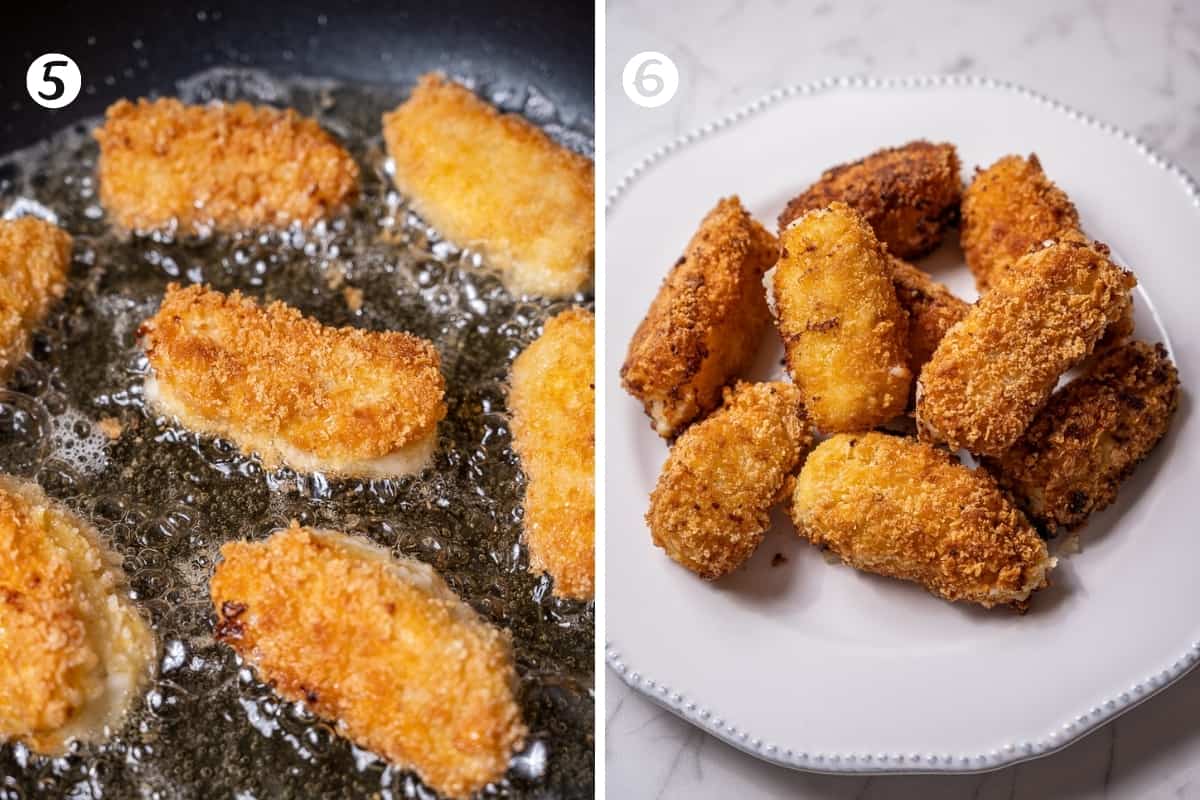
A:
137, 48
166, 499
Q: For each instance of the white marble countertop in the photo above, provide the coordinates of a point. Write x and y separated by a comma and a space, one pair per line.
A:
1135, 64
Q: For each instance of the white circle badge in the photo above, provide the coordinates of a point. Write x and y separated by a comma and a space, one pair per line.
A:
53, 80
650, 79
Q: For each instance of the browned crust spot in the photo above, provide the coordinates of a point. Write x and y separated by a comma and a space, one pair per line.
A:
553, 399
497, 183
34, 258
909, 195
263, 376
381, 646
706, 322
227, 165
1091, 436
710, 507
1008, 209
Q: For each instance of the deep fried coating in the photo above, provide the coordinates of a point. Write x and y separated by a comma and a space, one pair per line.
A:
1010, 208
296, 392
932, 310
553, 399
222, 165
495, 182
711, 506
73, 650
1090, 437
706, 322
34, 258
844, 331
908, 195
996, 369
902, 508
379, 644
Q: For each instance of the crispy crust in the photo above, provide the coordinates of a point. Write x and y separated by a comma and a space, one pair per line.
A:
843, 329
73, 650
902, 508
908, 195
34, 258
706, 322
1090, 437
710, 507
380, 644
225, 165
996, 369
932, 310
495, 182
277, 383
553, 399
1010, 208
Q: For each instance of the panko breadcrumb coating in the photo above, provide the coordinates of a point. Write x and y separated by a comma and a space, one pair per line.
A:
74, 652
902, 508
844, 332
711, 506
932, 310
705, 324
1008, 209
1090, 437
223, 165
34, 258
908, 195
497, 183
316, 398
379, 644
996, 369
553, 399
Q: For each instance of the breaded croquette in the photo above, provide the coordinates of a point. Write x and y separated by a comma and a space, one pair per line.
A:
34, 258
932, 310
74, 651
711, 506
996, 369
843, 329
1008, 209
379, 644
552, 399
315, 398
706, 322
902, 508
223, 165
497, 183
1090, 437
908, 195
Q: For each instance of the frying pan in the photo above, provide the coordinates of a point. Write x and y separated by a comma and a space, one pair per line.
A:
134, 51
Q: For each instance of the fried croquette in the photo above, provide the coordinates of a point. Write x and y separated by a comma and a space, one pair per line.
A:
74, 651
902, 508
379, 644
497, 183
996, 369
711, 505
1008, 209
552, 399
1090, 437
298, 393
932, 310
843, 329
34, 258
223, 165
908, 195
706, 322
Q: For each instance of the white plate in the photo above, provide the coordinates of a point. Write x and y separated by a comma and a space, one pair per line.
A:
817, 666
